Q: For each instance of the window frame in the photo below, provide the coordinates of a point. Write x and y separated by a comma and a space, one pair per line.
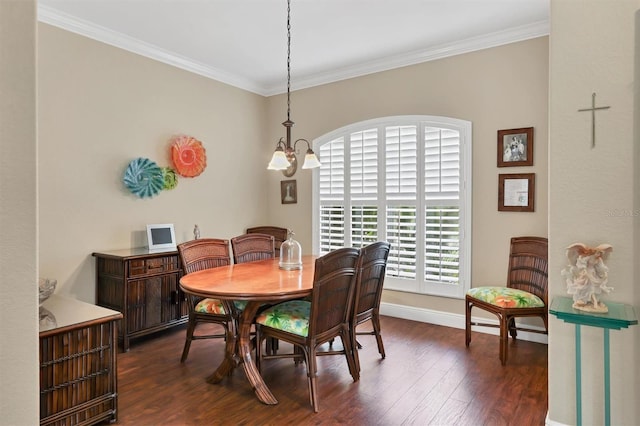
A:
418, 285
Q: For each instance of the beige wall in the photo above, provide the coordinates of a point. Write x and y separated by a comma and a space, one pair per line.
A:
500, 88
592, 197
18, 215
101, 107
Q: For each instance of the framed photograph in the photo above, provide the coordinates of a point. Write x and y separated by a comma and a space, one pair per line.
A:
515, 147
516, 192
288, 192
161, 237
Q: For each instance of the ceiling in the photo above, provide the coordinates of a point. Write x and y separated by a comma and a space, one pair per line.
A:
244, 42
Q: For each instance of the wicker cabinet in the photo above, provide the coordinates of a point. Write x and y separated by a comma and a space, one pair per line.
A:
143, 286
78, 372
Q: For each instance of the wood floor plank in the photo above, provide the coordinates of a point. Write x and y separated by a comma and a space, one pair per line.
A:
428, 377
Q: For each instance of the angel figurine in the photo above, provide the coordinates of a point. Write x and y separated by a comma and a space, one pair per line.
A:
587, 276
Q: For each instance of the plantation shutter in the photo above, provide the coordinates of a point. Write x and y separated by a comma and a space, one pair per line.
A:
331, 185
363, 187
401, 145
403, 180
442, 204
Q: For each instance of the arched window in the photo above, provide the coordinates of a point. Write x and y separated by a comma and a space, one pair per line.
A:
406, 180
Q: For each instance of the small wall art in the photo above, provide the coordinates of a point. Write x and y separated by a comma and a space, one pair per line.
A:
516, 192
515, 147
288, 192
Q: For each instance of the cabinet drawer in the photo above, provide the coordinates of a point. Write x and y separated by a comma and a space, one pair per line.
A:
156, 265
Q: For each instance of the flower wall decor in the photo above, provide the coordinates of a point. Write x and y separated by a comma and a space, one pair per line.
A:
170, 178
144, 178
188, 155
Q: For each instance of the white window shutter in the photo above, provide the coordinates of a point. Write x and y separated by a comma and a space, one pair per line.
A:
400, 179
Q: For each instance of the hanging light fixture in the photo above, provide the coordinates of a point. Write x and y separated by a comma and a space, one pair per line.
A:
284, 158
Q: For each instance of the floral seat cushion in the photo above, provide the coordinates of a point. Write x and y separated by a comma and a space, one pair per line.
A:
291, 316
506, 297
215, 306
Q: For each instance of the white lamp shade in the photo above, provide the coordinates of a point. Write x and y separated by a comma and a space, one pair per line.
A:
279, 161
311, 161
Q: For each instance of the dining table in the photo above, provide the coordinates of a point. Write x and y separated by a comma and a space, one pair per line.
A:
256, 283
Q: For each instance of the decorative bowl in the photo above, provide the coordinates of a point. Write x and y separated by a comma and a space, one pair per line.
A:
46, 288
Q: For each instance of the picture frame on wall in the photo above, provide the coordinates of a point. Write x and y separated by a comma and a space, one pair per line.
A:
516, 192
515, 147
288, 192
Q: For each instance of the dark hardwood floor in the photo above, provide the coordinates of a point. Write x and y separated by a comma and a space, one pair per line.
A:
429, 377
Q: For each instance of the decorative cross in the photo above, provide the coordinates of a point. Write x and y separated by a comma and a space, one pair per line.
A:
593, 110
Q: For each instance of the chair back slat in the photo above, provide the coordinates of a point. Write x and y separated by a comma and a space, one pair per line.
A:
373, 265
252, 247
528, 266
204, 253
333, 290
279, 235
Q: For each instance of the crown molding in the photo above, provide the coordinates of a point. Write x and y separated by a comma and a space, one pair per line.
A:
70, 23
512, 35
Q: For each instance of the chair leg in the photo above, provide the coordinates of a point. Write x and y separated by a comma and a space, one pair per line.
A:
467, 323
354, 347
189, 338
512, 328
351, 354
375, 320
504, 339
310, 358
271, 347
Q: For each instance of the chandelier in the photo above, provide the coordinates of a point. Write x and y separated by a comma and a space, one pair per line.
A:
284, 158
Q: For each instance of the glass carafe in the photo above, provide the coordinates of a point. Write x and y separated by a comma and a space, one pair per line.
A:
290, 254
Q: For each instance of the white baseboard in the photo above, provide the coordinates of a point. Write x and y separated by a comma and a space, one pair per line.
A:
549, 422
449, 319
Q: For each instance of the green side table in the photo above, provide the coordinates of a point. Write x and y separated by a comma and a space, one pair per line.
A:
619, 316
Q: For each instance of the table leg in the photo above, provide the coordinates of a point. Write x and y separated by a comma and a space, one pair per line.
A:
578, 378
231, 359
253, 375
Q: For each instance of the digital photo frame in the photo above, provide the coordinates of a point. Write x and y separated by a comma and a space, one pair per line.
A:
161, 237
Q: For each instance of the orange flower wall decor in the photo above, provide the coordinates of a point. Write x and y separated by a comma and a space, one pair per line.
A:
188, 156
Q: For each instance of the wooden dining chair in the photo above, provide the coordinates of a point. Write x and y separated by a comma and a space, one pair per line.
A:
252, 247
307, 324
197, 255
370, 280
525, 295
279, 235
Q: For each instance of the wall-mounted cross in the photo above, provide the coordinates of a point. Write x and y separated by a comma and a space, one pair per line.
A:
593, 110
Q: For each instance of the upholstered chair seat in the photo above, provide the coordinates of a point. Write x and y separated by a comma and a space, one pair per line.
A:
525, 295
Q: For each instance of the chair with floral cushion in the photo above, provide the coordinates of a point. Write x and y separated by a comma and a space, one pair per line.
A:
197, 255
526, 293
252, 247
279, 235
307, 324
373, 265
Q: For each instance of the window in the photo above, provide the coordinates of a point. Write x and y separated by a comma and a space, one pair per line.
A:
405, 180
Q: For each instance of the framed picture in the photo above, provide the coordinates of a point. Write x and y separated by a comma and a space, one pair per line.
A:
288, 192
515, 147
516, 192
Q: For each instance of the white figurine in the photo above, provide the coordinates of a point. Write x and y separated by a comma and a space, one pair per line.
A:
587, 276
196, 232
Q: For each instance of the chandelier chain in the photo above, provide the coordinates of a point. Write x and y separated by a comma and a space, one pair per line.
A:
288, 59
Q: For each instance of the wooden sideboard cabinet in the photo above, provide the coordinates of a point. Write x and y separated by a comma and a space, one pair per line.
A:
78, 371
144, 286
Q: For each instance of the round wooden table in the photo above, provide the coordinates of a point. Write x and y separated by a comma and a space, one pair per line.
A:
257, 283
